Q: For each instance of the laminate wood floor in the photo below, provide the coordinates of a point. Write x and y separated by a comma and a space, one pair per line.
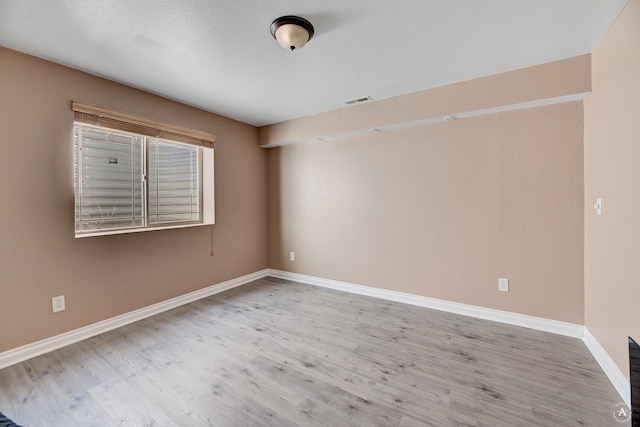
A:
279, 353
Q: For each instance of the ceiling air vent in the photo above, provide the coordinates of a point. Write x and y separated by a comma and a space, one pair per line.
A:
357, 100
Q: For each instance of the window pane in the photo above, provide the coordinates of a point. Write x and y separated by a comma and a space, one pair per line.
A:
174, 184
108, 178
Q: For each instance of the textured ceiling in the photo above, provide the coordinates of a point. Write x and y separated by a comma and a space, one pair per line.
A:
218, 55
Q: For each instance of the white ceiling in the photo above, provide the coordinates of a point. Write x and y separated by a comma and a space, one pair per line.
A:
218, 55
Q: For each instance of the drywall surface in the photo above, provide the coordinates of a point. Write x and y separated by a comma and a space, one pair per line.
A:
442, 210
545, 81
102, 277
612, 173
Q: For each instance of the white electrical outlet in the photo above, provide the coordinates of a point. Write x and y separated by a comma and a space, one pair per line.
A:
292, 256
503, 285
57, 303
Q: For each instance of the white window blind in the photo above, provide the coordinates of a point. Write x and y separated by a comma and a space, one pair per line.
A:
174, 184
109, 179
127, 181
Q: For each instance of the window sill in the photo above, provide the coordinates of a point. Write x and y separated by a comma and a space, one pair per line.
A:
138, 230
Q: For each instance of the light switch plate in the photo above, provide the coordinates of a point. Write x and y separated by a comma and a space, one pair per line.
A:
598, 206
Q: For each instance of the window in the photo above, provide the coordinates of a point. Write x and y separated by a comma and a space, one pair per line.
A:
127, 181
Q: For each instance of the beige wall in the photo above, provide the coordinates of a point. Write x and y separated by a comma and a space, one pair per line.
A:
102, 277
442, 210
561, 78
612, 172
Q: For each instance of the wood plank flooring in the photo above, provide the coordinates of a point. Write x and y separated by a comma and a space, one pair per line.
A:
279, 353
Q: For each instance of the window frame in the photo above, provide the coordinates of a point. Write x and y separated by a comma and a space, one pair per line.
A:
150, 128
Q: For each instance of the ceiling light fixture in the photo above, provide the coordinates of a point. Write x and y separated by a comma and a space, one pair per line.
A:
292, 32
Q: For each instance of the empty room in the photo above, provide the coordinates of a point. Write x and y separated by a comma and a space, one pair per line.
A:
320, 213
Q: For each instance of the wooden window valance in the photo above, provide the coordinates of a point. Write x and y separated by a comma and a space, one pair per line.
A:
91, 114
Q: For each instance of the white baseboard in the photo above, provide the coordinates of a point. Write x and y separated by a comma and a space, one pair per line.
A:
614, 374
609, 367
20, 354
538, 323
